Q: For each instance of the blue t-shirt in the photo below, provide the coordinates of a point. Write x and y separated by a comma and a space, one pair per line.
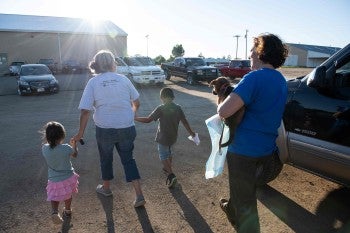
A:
264, 93
58, 161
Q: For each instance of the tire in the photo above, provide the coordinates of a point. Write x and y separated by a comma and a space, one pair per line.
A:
167, 74
268, 171
20, 93
190, 80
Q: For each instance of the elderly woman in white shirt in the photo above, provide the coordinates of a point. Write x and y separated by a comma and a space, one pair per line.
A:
114, 101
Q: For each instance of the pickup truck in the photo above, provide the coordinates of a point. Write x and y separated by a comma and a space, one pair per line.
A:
193, 69
315, 132
140, 70
236, 69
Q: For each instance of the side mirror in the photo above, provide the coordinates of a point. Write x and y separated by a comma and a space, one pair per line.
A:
317, 78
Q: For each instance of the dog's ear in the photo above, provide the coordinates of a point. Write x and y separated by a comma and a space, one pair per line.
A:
212, 83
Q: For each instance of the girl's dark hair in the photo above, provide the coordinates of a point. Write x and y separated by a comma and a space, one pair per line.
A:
270, 49
167, 93
54, 132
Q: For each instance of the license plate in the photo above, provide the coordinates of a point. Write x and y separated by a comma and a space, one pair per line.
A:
41, 89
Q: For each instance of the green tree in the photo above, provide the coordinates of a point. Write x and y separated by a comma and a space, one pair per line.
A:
159, 59
178, 51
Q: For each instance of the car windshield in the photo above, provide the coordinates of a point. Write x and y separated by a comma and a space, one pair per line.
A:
132, 61
195, 62
72, 63
119, 62
240, 63
46, 61
34, 70
146, 61
17, 63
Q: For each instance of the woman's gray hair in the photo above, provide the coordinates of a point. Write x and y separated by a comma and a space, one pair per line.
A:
104, 61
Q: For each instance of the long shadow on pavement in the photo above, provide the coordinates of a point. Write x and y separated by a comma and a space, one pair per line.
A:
144, 220
301, 220
107, 204
191, 214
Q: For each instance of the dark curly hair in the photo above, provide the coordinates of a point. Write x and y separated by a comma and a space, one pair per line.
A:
270, 49
53, 132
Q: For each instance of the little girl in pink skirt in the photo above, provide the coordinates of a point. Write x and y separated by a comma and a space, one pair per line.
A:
62, 180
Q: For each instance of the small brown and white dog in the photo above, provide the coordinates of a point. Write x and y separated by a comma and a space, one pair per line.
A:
222, 88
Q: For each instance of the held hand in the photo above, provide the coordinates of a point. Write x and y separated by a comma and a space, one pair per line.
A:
77, 137
72, 142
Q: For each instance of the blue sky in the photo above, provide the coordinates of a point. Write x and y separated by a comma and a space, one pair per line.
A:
204, 26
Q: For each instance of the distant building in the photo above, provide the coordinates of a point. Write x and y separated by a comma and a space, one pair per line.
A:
30, 38
308, 55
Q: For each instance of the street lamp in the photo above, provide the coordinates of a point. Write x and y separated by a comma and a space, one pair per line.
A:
147, 43
237, 43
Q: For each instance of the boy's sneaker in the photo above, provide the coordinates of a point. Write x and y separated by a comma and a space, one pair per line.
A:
101, 190
140, 201
171, 180
56, 218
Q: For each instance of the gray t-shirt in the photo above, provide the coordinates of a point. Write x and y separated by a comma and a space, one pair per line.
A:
169, 116
58, 161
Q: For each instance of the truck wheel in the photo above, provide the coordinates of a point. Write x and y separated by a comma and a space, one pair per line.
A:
268, 171
190, 80
167, 75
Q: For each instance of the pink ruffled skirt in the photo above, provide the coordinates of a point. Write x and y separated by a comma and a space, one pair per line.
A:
63, 190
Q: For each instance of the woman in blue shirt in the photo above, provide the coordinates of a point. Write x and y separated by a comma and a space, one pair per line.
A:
263, 93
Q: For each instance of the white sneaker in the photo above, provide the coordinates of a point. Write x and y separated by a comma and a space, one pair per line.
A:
140, 201
101, 190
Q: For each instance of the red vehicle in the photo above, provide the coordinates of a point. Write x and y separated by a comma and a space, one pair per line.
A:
236, 69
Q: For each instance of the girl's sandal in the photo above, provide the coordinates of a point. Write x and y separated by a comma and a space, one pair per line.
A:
67, 213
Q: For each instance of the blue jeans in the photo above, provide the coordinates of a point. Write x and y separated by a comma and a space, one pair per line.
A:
123, 141
164, 152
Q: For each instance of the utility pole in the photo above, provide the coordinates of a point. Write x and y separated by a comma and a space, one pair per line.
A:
237, 43
246, 38
147, 43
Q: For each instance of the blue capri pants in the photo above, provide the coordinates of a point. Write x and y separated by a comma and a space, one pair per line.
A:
123, 141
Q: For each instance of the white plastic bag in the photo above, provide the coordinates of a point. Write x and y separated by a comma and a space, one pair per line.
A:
195, 139
216, 161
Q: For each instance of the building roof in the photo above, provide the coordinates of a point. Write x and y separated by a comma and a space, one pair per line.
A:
316, 48
49, 24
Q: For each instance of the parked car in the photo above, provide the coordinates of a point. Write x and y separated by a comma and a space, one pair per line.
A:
193, 69
236, 69
72, 66
36, 78
49, 62
15, 67
142, 70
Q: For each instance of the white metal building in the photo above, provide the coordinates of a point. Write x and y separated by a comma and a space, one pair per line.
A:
30, 38
308, 55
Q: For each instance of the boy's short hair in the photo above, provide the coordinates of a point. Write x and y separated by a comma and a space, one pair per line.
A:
167, 93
